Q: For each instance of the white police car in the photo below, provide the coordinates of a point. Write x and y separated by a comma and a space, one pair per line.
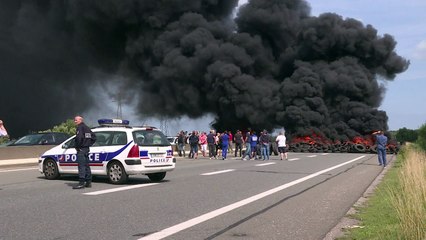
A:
119, 151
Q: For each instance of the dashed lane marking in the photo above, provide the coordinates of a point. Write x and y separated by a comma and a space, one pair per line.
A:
218, 172
264, 164
311, 156
119, 189
293, 159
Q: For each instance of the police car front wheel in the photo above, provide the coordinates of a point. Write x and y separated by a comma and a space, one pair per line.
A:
116, 173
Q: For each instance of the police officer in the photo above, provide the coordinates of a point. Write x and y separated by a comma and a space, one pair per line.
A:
83, 140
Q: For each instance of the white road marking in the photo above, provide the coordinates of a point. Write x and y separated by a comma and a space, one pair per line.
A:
311, 156
293, 159
323, 154
119, 189
16, 170
264, 164
218, 172
207, 216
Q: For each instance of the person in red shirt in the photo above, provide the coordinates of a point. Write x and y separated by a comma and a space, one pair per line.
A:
231, 137
203, 143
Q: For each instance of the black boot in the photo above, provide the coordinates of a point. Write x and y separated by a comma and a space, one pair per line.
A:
79, 186
88, 184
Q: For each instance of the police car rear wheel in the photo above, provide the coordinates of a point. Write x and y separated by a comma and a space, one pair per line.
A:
116, 173
156, 177
51, 169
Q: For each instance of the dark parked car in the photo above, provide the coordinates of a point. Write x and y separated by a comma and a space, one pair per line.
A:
48, 138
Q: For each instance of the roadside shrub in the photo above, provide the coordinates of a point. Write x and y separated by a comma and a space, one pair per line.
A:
406, 135
421, 139
66, 127
3, 140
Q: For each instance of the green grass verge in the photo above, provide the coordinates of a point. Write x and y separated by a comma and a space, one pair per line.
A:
378, 218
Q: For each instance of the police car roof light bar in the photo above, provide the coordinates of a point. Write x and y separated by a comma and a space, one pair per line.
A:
113, 122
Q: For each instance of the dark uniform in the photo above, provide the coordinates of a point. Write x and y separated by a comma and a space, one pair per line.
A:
83, 140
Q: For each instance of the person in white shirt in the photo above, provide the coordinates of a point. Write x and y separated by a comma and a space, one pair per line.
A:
281, 139
3, 132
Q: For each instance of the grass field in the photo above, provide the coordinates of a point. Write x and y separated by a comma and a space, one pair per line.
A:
397, 209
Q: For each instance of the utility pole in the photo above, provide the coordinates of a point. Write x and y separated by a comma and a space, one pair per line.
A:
164, 126
119, 103
119, 111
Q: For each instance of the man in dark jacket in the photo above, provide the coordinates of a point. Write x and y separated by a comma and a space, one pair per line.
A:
181, 143
193, 143
211, 144
264, 141
238, 140
83, 140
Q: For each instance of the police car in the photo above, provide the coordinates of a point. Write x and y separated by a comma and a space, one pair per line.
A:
119, 151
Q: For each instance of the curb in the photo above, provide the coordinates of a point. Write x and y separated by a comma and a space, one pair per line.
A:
7, 162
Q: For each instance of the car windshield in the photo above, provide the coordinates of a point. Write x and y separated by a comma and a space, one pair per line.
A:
31, 139
150, 138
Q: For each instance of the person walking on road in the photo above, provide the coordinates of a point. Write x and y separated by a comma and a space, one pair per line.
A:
381, 141
83, 140
193, 143
264, 143
203, 143
253, 144
247, 153
238, 140
211, 142
231, 137
218, 143
225, 144
281, 142
181, 143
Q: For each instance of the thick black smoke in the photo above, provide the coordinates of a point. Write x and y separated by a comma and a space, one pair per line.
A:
273, 65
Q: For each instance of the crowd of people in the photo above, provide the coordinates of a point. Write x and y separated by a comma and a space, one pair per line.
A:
218, 145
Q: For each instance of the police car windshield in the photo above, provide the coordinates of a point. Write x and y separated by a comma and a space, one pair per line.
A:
150, 138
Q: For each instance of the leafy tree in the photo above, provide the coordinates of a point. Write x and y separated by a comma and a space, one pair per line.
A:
421, 140
66, 127
406, 135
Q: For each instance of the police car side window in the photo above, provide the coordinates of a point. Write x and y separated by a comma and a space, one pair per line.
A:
119, 138
150, 138
139, 138
69, 144
102, 138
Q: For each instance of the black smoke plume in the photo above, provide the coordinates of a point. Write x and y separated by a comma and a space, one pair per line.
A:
273, 65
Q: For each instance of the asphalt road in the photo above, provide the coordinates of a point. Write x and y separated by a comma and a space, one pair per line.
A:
202, 199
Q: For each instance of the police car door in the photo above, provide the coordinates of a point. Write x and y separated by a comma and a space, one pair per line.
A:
67, 160
99, 151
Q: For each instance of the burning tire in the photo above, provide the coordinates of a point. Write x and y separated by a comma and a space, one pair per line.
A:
359, 148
